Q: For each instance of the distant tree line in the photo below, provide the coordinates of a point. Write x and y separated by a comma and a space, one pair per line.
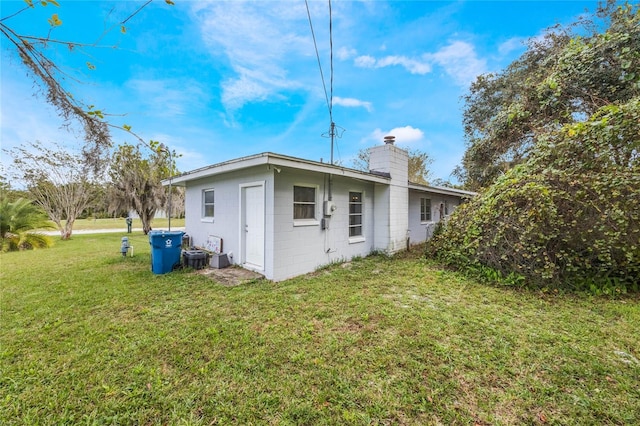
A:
66, 188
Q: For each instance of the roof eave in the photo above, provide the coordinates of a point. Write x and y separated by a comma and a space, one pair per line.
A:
442, 190
268, 158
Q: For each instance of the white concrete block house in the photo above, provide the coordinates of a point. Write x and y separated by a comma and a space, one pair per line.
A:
283, 216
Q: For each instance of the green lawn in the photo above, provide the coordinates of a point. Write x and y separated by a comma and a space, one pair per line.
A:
89, 337
119, 223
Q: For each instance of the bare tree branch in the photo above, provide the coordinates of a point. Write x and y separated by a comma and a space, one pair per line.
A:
50, 77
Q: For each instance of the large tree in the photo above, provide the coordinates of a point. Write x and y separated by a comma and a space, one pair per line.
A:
559, 159
136, 181
58, 180
567, 217
564, 77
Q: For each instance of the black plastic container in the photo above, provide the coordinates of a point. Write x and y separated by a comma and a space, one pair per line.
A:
196, 259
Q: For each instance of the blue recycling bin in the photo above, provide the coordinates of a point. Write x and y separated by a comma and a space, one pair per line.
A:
166, 247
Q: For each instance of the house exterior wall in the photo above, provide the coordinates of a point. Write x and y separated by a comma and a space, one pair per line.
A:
420, 231
390, 211
226, 221
303, 246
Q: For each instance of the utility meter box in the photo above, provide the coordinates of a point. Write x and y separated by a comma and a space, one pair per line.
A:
329, 208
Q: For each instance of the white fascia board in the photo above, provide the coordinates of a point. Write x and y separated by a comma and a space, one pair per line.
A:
443, 191
275, 160
216, 169
313, 166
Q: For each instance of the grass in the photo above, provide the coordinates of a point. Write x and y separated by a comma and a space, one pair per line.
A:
119, 223
90, 337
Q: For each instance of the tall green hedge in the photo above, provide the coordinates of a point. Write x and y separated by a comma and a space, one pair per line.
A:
568, 217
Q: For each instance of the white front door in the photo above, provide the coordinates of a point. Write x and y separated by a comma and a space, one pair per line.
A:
252, 226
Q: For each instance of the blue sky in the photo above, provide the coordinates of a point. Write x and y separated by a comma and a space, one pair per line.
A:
224, 79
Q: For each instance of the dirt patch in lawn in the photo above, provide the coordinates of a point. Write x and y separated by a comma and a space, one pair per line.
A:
231, 276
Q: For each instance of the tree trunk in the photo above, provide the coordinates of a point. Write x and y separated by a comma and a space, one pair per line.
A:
65, 234
146, 217
67, 230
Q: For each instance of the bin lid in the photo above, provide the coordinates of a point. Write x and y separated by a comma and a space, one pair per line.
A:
166, 233
156, 235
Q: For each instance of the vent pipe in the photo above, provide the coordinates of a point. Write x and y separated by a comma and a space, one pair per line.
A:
389, 140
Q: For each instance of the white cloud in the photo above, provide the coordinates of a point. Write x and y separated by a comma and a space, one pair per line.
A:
511, 45
167, 97
460, 61
345, 53
259, 43
365, 61
25, 117
352, 102
189, 156
404, 135
412, 65
238, 91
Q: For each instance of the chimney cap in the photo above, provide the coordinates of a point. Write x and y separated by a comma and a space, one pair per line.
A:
389, 140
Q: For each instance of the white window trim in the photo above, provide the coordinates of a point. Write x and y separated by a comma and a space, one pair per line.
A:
430, 211
203, 218
357, 238
307, 222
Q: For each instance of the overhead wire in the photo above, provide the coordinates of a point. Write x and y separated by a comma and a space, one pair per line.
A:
315, 44
328, 95
331, 63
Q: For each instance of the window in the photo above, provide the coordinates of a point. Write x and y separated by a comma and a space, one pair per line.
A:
208, 199
425, 209
355, 214
304, 202
444, 209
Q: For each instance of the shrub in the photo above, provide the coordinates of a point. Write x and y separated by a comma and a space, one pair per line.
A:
567, 217
18, 219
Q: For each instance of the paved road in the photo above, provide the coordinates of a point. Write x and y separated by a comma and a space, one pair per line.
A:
103, 231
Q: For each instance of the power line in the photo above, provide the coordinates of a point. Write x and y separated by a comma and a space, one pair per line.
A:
315, 44
331, 62
328, 95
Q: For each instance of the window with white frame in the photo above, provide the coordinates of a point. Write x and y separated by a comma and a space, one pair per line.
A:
444, 209
425, 209
355, 214
304, 202
208, 203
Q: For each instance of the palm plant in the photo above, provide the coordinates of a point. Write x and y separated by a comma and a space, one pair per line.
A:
18, 219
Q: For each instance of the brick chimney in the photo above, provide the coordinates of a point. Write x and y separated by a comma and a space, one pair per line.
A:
391, 201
